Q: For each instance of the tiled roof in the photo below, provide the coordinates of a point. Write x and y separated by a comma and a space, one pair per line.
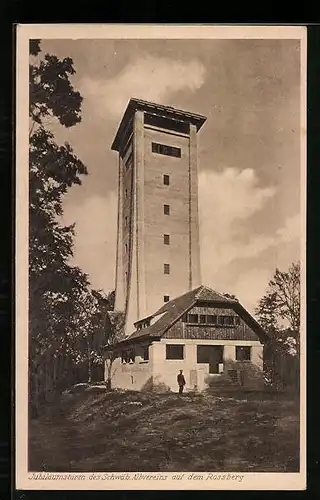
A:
171, 311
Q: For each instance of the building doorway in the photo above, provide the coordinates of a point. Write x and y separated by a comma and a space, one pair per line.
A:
211, 354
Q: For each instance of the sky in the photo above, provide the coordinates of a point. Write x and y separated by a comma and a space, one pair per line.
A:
249, 149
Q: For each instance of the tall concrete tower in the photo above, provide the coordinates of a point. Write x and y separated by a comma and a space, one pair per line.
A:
158, 254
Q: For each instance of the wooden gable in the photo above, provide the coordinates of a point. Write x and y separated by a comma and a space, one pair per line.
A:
239, 330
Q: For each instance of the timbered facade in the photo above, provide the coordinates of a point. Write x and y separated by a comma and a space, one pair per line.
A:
201, 332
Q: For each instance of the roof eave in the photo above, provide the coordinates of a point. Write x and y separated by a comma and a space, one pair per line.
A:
260, 332
159, 109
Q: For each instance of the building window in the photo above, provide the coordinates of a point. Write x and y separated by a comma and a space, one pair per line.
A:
203, 354
166, 180
126, 221
202, 318
236, 320
174, 351
220, 320
126, 247
142, 324
166, 209
166, 298
243, 353
132, 356
192, 318
146, 353
212, 319
128, 356
126, 193
228, 320
215, 359
166, 239
163, 149
166, 268
211, 354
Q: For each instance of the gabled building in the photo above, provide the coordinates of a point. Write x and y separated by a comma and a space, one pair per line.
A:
200, 332
158, 261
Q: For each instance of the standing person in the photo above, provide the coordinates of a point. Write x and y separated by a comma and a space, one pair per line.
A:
181, 381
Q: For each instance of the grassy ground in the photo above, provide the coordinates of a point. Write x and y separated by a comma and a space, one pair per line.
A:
129, 431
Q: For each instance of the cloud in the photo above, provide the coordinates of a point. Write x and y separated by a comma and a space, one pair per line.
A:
227, 201
148, 78
291, 229
230, 244
96, 228
251, 286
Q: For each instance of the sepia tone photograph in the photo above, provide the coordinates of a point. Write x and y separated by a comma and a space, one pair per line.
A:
164, 266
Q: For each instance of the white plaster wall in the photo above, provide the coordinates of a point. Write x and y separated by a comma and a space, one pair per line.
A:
130, 376
163, 372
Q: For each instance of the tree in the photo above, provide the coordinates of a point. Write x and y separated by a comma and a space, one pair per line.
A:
111, 300
116, 322
51, 92
97, 330
55, 287
267, 313
286, 286
278, 312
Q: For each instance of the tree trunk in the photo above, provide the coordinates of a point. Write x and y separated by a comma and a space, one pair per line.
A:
108, 381
89, 364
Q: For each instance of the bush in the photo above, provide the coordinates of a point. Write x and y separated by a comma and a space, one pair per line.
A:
238, 374
152, 385
223, 380
282, 369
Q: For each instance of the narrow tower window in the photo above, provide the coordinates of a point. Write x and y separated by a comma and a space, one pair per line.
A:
166, 209
166, 268
166, 180
166, 298
166, 239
